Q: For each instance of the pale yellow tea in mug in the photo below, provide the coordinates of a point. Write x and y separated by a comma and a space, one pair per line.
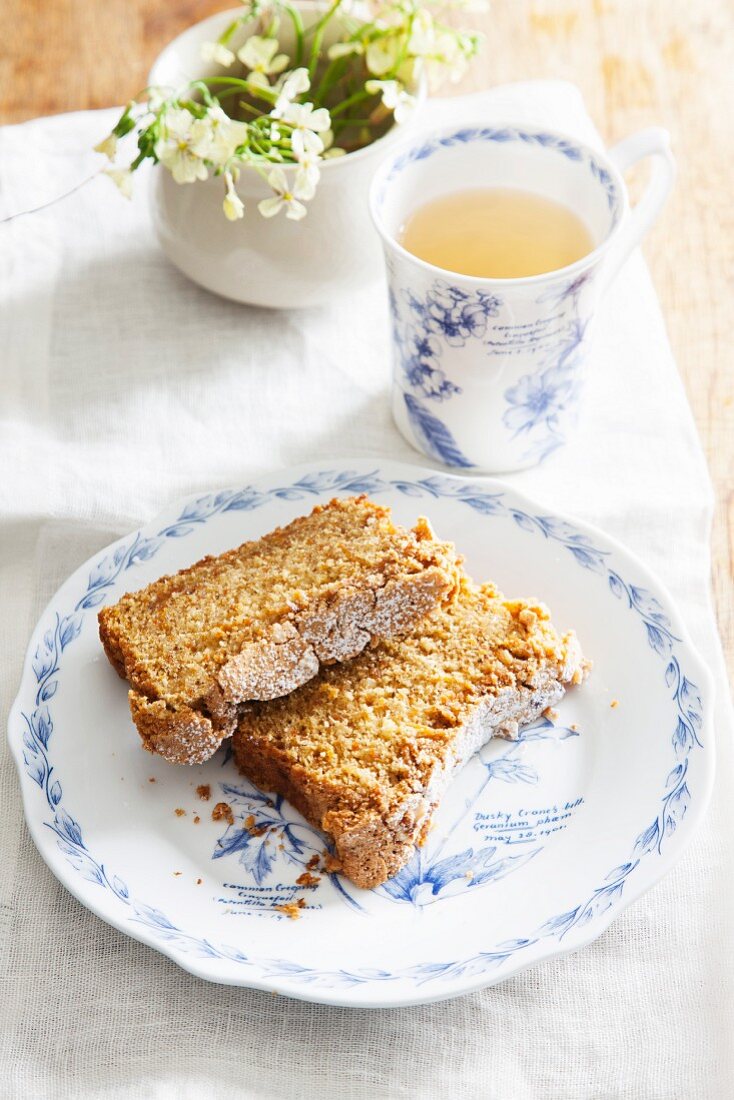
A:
496, 233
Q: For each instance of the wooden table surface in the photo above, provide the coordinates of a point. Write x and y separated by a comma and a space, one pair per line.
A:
637, 62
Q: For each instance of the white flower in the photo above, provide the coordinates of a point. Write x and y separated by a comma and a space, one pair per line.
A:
108, 146
215, 51
294, 84
175, 150
304, 142
394, 97
233, 205
422, 40
308, 175
450, 56
344, 49
216, 136
157, 97
307, 123
123, 180
259, 55
382, 55
283, 197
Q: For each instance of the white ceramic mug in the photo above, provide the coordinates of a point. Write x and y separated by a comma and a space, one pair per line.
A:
488, 372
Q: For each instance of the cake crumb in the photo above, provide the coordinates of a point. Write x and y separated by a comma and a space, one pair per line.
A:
313, 862
223, 812
199, 881
614, 703
180, 812
197, 819
252, 828
307, 879
291, 909
204, 792
331, 863
574, 727
551, 714
176, 874
151, 779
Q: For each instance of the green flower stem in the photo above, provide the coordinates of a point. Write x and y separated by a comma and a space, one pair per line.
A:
143, 155
315, 52
358, 97
404, 52
361, 31
240, 21
345, 123
325, 18
198, 110
245, 106
331, 76
295, 17
234, 82
200, 86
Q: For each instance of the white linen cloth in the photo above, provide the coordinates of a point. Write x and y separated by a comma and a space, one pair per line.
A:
123, 387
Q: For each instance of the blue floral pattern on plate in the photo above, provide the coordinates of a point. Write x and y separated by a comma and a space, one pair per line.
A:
259, 817
436, 875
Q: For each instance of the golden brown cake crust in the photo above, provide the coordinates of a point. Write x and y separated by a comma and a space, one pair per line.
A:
365, 750
259, 621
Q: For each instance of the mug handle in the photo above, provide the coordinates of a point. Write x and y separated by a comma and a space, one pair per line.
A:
654, 142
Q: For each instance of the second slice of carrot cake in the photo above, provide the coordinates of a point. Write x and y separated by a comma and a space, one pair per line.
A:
366, 750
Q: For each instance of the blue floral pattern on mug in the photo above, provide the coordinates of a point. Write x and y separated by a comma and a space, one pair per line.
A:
541, 405
450, 316
453, 313
544, 403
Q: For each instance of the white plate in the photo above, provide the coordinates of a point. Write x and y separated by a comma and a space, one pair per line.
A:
536, 848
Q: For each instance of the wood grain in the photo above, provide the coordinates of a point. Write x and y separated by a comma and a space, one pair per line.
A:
637, 62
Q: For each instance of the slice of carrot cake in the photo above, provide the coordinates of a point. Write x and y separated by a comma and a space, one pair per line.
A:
366, 750
259, 620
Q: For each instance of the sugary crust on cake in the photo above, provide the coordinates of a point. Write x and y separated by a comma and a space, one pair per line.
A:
376, 820
182, 736
412, 574
335, 628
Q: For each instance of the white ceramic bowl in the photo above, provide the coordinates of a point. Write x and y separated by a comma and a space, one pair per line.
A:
274, 262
